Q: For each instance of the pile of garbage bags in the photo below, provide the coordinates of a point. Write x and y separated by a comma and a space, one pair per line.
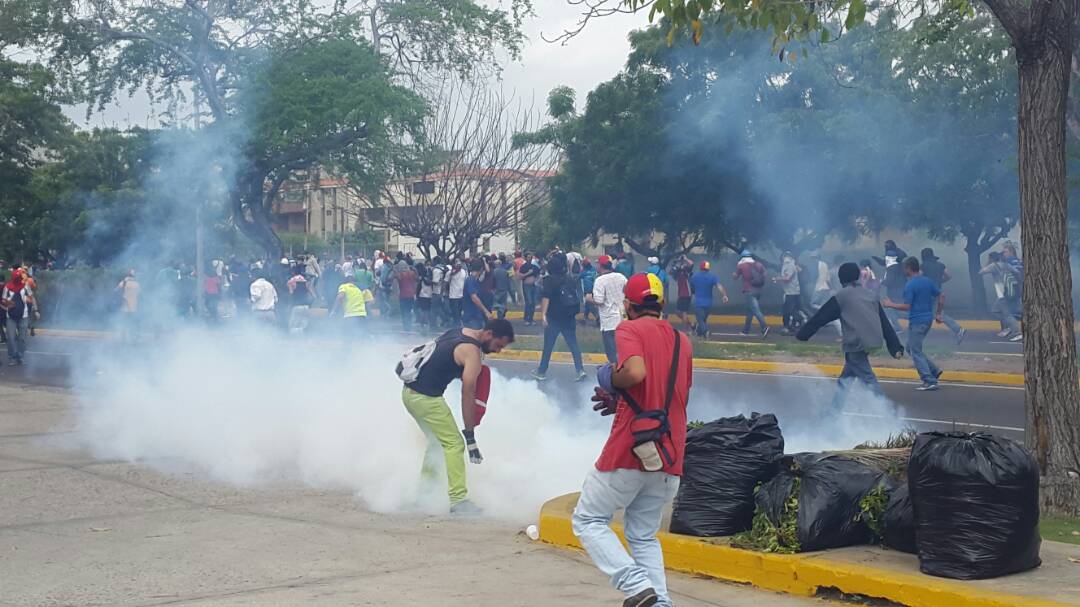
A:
966, 504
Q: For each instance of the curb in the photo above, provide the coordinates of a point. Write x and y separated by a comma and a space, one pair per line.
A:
798, 574
743, 366
786, 368
720, 320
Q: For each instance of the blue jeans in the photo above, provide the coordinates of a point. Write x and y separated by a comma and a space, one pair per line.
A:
566, 327
528, 292
753, 310
407, 306
928, 371
643, 495
856, 369
702, 326
952, 324
609, 346
16, 338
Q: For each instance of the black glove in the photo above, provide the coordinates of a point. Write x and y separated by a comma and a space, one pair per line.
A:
470, 444
606, 402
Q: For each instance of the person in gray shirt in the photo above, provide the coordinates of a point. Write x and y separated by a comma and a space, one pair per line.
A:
865, 328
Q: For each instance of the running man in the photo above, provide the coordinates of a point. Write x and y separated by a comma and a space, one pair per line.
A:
650, 382
920, 297
936, 271
457, 355
607, 295
752, 274
702, 284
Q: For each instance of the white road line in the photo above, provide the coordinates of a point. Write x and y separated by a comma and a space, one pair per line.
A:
37, 353
938, 421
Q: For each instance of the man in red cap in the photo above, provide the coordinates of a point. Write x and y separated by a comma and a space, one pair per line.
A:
607, 296
640, 466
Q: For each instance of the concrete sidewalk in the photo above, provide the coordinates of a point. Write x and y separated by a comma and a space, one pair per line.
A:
865, 571
78, 531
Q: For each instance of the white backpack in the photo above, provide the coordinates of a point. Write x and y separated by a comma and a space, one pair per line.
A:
408, 368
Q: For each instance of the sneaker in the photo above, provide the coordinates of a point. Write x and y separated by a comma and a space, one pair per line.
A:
465, 508
938, 374
645, 598
960, 336
538, 376
1003, 333
927, 387
744, 333
1017, 337
581, 376
12, 362
765, 333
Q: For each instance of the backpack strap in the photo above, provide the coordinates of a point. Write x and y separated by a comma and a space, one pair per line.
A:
671, 379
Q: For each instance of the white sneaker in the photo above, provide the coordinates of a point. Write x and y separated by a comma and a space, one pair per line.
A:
1017, 337
1003, 333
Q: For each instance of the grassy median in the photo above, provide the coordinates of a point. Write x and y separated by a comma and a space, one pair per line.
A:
1060, 529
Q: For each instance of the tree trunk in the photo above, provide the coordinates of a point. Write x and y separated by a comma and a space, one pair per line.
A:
1050, 375
251, 214
974, 264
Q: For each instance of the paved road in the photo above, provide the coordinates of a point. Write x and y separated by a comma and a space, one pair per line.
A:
799, 401
79, 530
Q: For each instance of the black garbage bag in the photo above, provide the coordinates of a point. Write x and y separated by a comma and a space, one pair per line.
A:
828, 491
976, 503
899, 521
725, 460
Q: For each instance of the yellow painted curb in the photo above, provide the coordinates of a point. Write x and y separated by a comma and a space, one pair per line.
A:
799, 574
736, 319
745, 366
786, 368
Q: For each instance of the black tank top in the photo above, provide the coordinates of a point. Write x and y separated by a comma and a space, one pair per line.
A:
441, 369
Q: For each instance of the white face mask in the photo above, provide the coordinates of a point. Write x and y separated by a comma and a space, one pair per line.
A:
890, 261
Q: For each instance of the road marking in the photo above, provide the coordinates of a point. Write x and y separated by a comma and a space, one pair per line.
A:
937, 421
38, 353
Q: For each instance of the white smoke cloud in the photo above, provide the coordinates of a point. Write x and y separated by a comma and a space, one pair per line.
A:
248, 407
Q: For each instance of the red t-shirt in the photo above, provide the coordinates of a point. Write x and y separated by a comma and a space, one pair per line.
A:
744, 272
407, 284
653, 340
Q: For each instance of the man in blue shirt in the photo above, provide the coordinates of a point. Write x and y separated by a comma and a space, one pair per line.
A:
702, 284
476, 310
924, 303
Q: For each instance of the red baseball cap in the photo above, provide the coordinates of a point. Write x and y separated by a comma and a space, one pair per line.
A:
642, 286
604, 260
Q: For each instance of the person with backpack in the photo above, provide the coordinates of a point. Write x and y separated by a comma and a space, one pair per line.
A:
936, 271
15, 299
865, 329
301, 296
427, 371
752, 273
1005, 287
559, 305
639, 469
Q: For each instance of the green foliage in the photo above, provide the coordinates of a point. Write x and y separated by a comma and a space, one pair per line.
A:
694, 425
763, 536
872, 510
543, 230
901, 440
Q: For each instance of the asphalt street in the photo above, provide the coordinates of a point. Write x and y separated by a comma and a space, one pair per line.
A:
799, 401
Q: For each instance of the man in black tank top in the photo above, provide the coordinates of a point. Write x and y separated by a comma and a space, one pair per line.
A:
458, 354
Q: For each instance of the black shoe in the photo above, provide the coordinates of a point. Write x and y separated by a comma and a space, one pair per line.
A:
645, 598
938, 374
765, 333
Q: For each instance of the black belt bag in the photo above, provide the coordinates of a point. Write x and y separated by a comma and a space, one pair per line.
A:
653, 445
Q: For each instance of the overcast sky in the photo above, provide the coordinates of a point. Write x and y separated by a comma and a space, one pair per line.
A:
594, 56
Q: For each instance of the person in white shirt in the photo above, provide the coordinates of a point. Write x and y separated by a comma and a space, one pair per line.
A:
456, 291
608, 295
263, 299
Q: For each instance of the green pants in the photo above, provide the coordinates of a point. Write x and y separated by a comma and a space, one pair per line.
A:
433, 416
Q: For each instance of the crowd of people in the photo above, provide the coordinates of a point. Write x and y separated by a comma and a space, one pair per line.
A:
558, 290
